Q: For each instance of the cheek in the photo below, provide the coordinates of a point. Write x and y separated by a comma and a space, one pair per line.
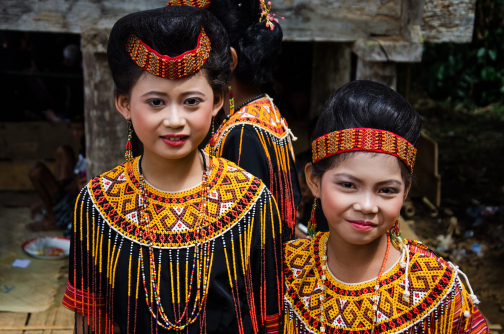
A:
391, 210
334, 203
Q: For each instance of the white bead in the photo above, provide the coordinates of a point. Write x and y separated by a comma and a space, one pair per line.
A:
406, 295
467, 314
323, 277
324, 267
402, 264
375, 307
376, 287
322, 297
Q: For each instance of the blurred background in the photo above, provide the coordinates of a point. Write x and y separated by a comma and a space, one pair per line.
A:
59, 126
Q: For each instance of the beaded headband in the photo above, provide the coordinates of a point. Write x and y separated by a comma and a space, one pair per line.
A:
192, 3
364, 139
167, 67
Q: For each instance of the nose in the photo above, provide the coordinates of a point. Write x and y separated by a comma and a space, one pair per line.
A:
366, 204
174, 118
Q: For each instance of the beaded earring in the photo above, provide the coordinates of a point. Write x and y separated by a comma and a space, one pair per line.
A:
129, 146
231, 101
395, 235
312, 223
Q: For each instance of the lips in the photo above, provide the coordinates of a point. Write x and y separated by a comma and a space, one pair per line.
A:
362, 225
174, 140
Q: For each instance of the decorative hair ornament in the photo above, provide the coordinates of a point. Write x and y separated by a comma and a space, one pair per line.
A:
266, 16
192, 3
364, 139
167, 67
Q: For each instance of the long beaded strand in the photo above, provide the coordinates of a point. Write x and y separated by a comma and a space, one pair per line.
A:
201, 264
376, 289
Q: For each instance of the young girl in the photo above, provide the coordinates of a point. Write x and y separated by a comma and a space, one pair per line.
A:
254, 135
175, 240
361, 276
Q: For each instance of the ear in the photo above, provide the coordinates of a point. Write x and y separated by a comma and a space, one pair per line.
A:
312, 181
218, 103
122, 105
234, 55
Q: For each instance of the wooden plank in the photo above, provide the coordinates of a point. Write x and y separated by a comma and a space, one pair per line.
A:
448, 21
322, 20
426, 169
383, 72
9, 319
14, 176
34, 140
106, 130
387, 48
34, 328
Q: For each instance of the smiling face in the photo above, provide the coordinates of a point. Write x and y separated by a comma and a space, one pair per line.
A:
170, 117
361, 196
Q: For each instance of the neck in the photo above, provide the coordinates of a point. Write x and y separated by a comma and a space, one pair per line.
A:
173, 175
353, 263
241, 92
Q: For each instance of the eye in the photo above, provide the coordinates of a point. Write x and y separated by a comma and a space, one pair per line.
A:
388, 191
192, 102
156, 102
347, 185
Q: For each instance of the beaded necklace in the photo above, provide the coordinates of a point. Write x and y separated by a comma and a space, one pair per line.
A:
201, 264
250, 101
325, 273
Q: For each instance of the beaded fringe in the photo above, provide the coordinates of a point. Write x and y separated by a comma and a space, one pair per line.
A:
100, 252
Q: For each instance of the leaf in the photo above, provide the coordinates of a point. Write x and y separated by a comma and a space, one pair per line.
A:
502, 90
492, 54
481, 52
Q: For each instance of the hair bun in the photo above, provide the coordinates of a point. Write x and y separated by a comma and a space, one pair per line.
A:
258, 48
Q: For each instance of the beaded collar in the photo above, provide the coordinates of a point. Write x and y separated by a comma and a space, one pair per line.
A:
348, 308
232, 194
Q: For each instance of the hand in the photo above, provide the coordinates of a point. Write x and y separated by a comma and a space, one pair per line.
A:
36, 208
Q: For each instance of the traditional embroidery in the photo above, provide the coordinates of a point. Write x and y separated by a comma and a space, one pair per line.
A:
273, 132
116, 194
192, 3
241, 227
348, 308
163, 66
364, 139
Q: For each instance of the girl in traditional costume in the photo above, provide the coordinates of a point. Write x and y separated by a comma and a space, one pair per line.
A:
361, 277
254, 134
175, 240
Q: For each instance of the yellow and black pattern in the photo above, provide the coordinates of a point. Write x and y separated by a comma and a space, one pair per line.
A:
174, 219
349, 308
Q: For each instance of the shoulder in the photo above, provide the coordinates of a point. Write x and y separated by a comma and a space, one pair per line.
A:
299, 258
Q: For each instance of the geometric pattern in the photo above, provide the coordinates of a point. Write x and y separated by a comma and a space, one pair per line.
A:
349, 308
259, 114
364, 139
174, 216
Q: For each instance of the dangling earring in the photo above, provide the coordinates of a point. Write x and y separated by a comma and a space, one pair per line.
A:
312, 223
129, 147
395, 235
213, 122
231, 101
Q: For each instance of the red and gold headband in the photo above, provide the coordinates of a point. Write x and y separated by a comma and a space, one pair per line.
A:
167, 67
364, 139
192, 3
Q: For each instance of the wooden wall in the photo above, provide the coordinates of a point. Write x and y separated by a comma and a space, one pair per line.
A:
317, 20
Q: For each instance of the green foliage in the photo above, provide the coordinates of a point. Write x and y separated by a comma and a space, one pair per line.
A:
470, 73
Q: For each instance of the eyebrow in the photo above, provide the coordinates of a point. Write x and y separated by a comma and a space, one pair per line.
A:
155, 93
355, 179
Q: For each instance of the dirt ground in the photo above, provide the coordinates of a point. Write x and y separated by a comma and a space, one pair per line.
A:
471, 156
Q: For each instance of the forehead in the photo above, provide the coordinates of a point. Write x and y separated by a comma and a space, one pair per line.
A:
369, 166
149, 82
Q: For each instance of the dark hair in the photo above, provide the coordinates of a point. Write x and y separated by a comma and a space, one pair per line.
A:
256, 45
170, 31
367, 104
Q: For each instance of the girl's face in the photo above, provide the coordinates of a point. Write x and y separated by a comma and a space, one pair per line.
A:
361, 197
170, 117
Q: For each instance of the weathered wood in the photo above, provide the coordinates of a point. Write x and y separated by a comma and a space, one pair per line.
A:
322, 20
426, 169
331, 70
10, 319
412, 13
105, 128
448, 21
387, 48
383, 72
34, 140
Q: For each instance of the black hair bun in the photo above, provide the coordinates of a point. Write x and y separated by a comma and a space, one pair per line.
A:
258, 49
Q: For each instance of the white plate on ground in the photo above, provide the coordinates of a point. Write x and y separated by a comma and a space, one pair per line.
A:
47, 248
